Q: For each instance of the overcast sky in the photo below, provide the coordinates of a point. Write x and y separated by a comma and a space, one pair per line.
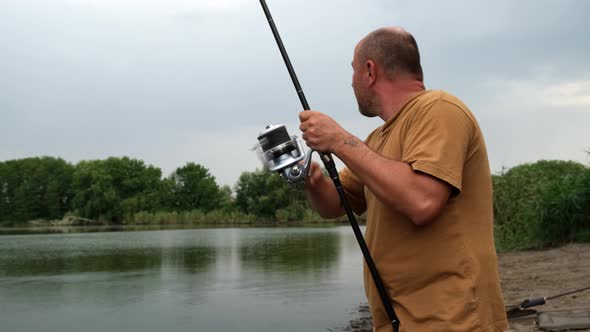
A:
173, 81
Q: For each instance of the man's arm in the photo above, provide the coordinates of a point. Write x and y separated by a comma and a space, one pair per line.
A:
321, 194
418, 196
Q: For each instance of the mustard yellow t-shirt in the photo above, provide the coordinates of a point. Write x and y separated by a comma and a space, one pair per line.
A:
442, 276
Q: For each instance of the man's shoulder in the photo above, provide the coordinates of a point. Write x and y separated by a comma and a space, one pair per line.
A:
432, 96
445, 103
373, 133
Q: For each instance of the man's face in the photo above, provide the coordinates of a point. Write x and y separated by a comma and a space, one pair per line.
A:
364, 96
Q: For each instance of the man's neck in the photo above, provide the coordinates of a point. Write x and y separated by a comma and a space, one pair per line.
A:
394, 95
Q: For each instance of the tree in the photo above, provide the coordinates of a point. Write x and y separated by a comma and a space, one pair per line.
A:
194, 188
226, 199
264, 194
95, 196
115, 188
4, 199
34, 188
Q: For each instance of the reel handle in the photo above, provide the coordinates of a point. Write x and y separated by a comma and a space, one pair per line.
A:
294, 172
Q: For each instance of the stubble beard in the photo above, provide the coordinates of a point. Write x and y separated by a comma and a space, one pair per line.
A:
367, 106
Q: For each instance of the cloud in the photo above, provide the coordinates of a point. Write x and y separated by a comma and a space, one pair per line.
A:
568, 94
542, 117
221, 4
532, 95
196, 80
159, 7
160, 3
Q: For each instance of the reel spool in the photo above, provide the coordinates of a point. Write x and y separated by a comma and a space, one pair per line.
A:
282, 153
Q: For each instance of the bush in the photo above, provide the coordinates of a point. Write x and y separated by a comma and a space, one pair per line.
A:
564, 213
534, 204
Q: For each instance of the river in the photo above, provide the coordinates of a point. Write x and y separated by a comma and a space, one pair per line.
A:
213, 279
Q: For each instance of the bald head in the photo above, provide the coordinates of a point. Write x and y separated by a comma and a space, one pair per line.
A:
394, 49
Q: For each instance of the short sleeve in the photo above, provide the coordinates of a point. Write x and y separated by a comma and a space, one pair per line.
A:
437, 140
355, 191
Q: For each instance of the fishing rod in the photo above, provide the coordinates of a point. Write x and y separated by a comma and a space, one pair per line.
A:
283, 154
522, 308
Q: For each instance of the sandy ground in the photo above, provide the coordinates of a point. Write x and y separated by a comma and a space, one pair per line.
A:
530, 274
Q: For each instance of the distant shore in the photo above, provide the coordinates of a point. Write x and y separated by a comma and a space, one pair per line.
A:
173, 220
54, 228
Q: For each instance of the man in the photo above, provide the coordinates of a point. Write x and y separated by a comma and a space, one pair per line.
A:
423, 179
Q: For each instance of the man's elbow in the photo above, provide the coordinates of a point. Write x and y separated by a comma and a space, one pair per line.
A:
426, 212
331, 213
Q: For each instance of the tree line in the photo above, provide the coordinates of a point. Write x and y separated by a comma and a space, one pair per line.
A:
535, 205
120, 189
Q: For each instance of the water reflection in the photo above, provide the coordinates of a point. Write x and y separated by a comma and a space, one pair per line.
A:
50, 263
63, 260
90, 229
297, 253
190, 259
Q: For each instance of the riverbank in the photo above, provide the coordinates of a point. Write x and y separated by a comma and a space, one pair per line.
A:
51, 228
180, 220
528, 274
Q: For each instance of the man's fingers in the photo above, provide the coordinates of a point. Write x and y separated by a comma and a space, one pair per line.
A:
315, 173
313, 126
304, 115
306, 120
304, 126
314, 167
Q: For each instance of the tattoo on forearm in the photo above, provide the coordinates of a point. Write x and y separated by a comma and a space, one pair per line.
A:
352, 141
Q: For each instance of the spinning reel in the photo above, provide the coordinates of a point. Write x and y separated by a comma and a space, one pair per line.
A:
282, 153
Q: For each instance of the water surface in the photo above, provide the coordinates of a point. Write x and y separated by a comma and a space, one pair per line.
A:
238, 279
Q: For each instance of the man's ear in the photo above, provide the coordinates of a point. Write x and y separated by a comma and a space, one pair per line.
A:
371, 71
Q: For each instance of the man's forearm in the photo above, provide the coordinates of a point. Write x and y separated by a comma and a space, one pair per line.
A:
324, 198
393, 182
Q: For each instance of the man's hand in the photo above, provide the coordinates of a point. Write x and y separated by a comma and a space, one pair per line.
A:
321, 132
314, 176
322, 194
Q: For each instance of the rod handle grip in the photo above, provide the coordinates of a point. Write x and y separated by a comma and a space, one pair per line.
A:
533, 302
